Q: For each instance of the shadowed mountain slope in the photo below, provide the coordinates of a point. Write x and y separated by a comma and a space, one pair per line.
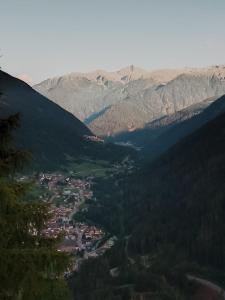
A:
161, 134
180, 198
171, 223
49, 132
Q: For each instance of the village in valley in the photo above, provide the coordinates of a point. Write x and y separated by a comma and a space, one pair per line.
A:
67, 193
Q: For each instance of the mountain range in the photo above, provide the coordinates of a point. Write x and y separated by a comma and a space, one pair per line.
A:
111, 103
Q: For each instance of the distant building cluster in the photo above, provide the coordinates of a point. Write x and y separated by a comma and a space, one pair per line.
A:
67, 189
93, 138
66, 195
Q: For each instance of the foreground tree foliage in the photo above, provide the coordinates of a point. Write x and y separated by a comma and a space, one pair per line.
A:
30, 266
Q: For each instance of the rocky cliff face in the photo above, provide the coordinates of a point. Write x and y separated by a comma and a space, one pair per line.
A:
126, 100
88, 94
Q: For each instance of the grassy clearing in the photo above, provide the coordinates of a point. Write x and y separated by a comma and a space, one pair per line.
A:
85, 168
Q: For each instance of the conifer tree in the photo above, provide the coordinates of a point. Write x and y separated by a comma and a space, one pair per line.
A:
30, 266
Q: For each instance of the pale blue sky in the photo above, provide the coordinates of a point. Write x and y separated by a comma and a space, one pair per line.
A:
45, 38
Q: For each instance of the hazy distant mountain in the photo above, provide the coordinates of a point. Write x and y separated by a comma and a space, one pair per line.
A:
51, 134
123, 101
156, 102
88, 94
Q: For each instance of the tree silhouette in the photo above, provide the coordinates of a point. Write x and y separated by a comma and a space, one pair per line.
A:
30, 266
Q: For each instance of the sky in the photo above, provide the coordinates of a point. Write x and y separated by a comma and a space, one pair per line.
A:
46, 38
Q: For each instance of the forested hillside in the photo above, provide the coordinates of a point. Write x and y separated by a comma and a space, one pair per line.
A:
169, 219
181, 198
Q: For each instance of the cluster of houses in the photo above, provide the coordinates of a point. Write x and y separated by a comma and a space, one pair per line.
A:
78, 237
93, 138
59, 221
66, 194
66, 190
81, 238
